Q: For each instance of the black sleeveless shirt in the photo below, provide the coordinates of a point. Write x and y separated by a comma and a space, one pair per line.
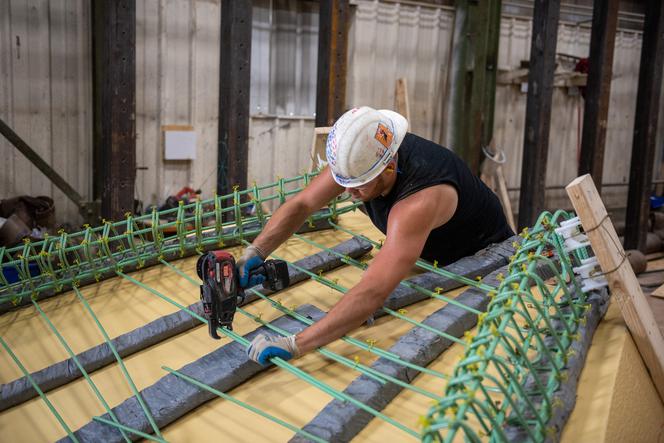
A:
478, 220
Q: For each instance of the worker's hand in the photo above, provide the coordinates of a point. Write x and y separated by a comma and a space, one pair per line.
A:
264, 347
252, 258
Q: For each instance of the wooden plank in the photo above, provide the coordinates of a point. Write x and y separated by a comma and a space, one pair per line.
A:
401, 103
659, 292
598, 90
624, 286
334, 19
234, 84
115, 98
538, 110
645, 126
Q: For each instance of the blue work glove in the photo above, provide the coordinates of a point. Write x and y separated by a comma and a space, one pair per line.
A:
251, 259
263, 347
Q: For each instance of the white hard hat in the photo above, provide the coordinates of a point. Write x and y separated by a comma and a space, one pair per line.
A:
362, 142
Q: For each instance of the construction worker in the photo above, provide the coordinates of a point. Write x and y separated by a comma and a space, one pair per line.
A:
421, 195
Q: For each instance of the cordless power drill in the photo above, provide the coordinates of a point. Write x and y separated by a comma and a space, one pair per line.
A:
221, 291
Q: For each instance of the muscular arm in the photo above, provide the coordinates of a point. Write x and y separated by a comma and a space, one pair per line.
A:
409, 224
290, 216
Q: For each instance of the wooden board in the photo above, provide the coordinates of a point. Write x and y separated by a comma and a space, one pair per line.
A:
401, 104
622, 281
659, 292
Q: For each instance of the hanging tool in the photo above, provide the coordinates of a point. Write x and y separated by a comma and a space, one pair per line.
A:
221, 292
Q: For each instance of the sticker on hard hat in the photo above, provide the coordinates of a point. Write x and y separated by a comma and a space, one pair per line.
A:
384, 135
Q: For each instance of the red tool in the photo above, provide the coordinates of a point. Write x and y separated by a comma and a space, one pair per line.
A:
221, 291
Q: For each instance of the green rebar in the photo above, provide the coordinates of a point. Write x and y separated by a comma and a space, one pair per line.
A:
80, 367
372, 373
287, 366
423, 264
122, 427
554, 313
39, 391
130, 381
247, 406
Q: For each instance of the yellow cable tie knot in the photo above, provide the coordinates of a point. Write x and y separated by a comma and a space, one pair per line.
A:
423, 421
515, 286
435, 264
127, 214
236, 187
557, 403
371, 342
478, 278
76, 283
500, 276
512, 258
357, 360
259, 316
491, 294
438, 290
402, 311
468, 337
494, 330
481, 350
480, 318
61, 231
524, 267
26, 240
86, 225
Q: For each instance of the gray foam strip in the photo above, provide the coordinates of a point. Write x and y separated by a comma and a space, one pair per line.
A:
341, 421
171, 397
58, 374
480, 264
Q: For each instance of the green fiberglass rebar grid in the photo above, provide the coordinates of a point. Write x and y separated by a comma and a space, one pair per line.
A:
527, 330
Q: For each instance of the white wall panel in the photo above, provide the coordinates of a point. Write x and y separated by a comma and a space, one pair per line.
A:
45, 96
391, 40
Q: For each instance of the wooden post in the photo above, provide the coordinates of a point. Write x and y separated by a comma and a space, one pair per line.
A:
455, 95
401, 103
645, 126
234, 84
538, 110
114, 72
625, 288
332, 61
598, 89
485, 28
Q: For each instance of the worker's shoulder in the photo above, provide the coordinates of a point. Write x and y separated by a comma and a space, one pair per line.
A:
427, 199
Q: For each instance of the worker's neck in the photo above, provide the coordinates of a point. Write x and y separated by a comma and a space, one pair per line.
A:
389, 179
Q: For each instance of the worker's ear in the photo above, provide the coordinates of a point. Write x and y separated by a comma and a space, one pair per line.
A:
391, 166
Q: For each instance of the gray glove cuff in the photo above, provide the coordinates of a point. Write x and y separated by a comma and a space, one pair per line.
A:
254, 250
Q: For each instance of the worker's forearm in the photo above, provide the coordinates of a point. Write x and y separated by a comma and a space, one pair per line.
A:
283, 223
351, 311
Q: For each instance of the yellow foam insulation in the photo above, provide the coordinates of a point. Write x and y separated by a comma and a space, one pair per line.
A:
616, 398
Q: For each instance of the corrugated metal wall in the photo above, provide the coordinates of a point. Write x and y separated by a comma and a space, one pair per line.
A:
46, 96
45, 90
391, 40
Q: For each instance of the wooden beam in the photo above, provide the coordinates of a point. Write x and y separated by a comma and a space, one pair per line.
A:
625, 288
598, 89
234, 84
484, 27
401, 102
334, 19
455, 93
645, 126
114, 83
538, 110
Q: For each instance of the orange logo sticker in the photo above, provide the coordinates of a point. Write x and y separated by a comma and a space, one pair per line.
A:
384, 135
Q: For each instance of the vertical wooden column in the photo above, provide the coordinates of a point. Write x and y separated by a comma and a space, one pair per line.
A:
538, 110
333, 25
455, 95
485, 33
114, 83
598, 89
234, 84
645, 126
